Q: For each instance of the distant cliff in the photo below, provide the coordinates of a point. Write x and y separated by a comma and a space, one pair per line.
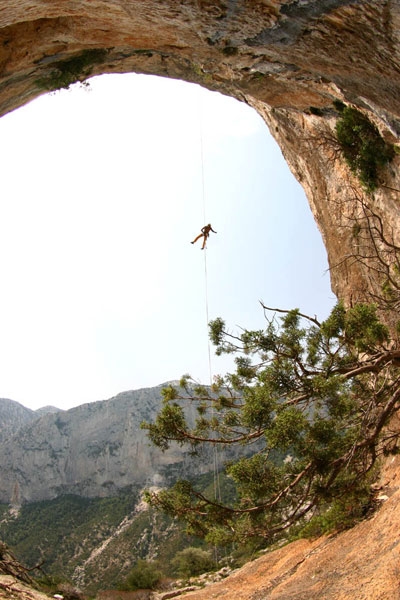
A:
93, 450
13, 416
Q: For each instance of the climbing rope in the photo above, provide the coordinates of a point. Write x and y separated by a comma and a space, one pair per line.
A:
207, 317
217, 488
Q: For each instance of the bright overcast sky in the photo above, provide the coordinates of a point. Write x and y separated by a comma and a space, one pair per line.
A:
102, 191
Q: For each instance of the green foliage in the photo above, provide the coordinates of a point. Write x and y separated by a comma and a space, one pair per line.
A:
312, 399
216, 331
191, 562
145, 575
363, 328
148, 531
64, 531
364, 149
342, 511
172, 421
69, 71
255, 476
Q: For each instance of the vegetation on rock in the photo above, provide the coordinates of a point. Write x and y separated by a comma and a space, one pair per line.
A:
363, 147
191, 562
71, 70
145, 575
63, 534
60, 534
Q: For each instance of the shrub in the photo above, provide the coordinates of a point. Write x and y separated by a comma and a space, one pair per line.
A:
145, 575
230, 50
364, 149
341, 513
192, 561
71, 70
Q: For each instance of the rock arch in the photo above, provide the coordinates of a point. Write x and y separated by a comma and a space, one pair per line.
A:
289, 59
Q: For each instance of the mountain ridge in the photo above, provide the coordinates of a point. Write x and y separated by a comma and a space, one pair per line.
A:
92, 450
12, 416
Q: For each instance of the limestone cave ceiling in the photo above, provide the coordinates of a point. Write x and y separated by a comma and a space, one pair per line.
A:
289, 59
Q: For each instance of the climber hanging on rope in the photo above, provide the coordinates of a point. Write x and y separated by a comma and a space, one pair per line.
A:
205, 232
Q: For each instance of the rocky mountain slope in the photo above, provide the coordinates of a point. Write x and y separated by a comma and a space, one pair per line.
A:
13, 416
78, 476
92, 542
93, 450
359, 564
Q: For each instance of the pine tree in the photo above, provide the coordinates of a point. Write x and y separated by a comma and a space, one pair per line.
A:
314, 399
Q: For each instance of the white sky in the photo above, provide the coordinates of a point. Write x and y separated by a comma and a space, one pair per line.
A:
101, 290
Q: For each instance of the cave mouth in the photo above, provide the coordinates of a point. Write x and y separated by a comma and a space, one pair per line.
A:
103, 189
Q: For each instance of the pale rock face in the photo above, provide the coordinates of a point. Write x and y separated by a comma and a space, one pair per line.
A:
13, 416
93, 450
280, 56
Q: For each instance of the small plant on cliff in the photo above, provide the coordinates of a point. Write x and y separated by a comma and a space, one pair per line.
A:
363, 148
314, 399
69, 71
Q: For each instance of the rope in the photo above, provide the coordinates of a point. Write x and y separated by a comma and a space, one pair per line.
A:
207, 317
203, 191
217, 489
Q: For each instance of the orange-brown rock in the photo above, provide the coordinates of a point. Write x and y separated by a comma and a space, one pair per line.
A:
360, 564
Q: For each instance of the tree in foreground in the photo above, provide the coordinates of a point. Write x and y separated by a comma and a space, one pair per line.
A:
314, 402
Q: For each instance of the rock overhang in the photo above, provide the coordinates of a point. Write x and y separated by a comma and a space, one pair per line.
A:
289, 59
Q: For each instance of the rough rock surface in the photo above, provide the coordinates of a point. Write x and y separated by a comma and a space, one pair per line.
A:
13, 416
359, 564
92, 450
284, 57
13, 589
